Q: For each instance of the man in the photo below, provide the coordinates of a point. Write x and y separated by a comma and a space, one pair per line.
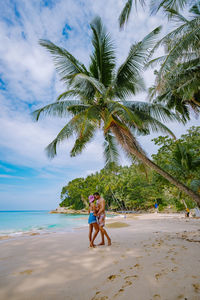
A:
101, 218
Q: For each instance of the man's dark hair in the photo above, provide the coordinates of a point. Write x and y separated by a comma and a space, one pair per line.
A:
96, 194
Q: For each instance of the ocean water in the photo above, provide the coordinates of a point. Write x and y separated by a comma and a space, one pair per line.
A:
18, 222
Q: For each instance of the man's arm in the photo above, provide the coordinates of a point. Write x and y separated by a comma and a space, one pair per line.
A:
102, 207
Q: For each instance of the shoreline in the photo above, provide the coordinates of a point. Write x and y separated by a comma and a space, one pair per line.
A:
120, 217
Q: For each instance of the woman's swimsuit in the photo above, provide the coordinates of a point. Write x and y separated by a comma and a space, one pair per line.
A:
92, 219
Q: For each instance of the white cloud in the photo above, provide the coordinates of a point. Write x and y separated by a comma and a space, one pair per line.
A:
11, 176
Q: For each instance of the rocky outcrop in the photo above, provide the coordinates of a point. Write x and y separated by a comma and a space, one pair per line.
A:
66, 210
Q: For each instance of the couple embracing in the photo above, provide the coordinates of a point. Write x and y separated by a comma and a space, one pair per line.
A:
96, 219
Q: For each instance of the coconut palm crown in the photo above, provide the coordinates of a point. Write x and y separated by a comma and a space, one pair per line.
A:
177, 81
99, 102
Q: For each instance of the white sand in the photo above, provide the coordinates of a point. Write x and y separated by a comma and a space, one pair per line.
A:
156, 257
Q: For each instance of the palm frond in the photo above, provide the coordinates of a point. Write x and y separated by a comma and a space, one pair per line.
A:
66, 64
125, 114
156, 5
124, 16
67, 94
155, 110
151, 124
129, 72
195, 9
86, 133
183, 43
58, 109
103, 57
67, 131
82, 78
125, 13
111, 153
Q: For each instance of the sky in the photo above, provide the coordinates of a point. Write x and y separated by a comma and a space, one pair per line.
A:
28, 179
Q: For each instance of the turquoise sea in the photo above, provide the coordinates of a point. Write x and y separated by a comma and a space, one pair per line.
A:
18, 222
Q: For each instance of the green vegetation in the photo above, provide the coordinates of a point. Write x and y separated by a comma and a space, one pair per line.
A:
177, 80
138, 188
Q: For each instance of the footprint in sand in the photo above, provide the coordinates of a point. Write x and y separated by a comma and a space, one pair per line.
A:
113, 277
158, 275
96, 297
196, 287
181, 297
132, 276
173, 259
120, 291
26, 272
174, 269
156, 296
115, 262
127, 283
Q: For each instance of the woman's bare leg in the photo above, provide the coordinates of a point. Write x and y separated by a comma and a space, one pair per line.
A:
90, 232
96, 227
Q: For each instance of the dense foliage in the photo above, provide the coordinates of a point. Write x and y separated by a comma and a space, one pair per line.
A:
177, 80
136, 187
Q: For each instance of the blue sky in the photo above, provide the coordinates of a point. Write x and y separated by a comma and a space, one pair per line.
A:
28, 179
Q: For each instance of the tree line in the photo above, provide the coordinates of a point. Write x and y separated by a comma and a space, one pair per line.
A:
136, 187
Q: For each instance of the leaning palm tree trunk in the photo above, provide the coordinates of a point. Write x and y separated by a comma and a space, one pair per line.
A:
128, 142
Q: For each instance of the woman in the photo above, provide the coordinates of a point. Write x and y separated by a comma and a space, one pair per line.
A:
92, 220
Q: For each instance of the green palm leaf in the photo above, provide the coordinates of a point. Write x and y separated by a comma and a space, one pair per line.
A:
72, 127
58, 109
86, 134
128, 73
111, 153
124, 16
103, 57
82, 79
156, 5
66, 64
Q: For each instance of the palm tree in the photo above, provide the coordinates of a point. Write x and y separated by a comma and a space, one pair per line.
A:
186, 166
125, 13
155, 6
177, 81
100, 94
184, 163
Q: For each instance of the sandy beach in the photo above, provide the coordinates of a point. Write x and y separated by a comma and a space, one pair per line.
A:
152, 256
